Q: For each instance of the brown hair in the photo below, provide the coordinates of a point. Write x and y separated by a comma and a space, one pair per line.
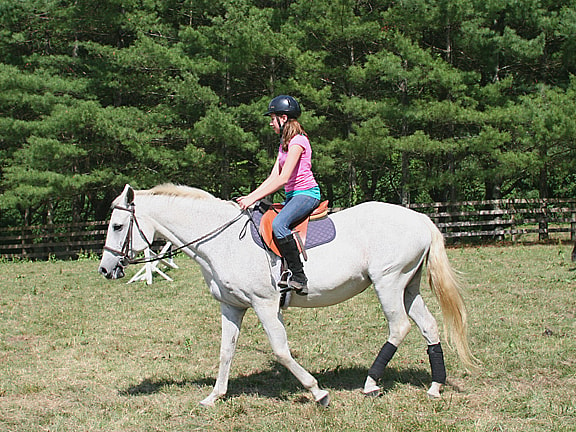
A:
291, 128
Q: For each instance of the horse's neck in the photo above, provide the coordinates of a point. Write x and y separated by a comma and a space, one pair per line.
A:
188, 218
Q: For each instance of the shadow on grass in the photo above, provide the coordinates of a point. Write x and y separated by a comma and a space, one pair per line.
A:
150, 386
277, 383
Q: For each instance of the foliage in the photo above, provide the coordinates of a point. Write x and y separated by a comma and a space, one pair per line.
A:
404, 101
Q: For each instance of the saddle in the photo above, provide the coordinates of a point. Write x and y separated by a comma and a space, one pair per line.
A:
300, 228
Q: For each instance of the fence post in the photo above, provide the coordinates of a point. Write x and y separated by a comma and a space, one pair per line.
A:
498, 219
543, 223
512, 209
23, 251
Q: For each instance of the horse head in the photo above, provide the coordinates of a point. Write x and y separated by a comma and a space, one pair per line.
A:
126, 236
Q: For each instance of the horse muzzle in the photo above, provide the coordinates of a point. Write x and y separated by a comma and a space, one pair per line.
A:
116, 273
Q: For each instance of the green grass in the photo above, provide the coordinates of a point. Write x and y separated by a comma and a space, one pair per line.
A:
80, 353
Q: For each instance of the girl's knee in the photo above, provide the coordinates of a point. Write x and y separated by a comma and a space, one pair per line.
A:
279, 229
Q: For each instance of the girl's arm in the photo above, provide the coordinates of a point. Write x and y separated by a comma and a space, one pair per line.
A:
276, 180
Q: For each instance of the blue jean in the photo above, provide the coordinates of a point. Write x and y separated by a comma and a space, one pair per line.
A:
295, 209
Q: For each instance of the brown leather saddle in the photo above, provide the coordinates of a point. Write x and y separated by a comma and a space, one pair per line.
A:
300, 229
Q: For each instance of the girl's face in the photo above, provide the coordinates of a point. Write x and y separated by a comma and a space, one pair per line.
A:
276, 121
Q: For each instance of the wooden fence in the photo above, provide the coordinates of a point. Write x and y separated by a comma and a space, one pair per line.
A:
59, 241
511, 219
460, 222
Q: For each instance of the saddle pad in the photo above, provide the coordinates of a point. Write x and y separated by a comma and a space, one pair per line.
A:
320, 231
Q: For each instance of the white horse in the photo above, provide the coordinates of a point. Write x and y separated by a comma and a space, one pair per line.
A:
376, 244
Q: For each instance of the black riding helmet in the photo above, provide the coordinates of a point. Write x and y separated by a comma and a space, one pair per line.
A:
284, 104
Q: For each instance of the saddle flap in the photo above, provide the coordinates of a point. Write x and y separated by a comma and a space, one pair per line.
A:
266, 230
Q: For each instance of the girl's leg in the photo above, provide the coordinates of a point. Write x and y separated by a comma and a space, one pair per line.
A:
295, 209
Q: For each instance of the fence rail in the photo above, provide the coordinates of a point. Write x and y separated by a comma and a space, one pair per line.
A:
502, 219
460, 222
59, 241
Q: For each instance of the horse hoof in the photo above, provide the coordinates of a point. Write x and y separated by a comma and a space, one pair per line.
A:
373, 393
207, 403
371, 389
324, 400
434, 391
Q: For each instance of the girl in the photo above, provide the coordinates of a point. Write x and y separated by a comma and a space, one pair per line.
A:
292, 170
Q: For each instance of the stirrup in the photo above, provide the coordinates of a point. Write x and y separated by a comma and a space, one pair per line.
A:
287, 284
284, 282
285, 297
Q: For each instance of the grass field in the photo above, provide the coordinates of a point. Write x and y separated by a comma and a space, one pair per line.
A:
80, 353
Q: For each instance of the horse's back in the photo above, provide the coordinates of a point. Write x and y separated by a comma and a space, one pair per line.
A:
393, 219
388, 230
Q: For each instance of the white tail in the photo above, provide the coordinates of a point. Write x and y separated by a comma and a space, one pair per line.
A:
446, 287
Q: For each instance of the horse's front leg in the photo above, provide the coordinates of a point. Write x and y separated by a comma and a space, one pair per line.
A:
231, 323
271, 320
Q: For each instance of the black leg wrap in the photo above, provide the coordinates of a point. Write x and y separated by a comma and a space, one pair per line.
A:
385, 355
436, 356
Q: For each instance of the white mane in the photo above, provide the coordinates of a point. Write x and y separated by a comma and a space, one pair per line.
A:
173, 190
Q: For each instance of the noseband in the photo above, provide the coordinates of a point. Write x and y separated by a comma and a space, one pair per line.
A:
126, 250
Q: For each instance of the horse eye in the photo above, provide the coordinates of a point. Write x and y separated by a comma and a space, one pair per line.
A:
117, 227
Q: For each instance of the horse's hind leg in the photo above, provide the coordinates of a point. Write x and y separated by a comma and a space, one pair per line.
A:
429, 328
231, 322
392, 303
271, 320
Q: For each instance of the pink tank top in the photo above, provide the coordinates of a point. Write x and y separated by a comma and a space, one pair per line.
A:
302, 177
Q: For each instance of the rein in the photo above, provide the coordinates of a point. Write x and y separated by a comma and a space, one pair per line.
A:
126, 248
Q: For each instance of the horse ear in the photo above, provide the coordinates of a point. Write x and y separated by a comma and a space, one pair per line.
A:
129, 195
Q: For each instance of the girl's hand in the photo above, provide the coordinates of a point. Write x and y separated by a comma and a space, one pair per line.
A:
244, 202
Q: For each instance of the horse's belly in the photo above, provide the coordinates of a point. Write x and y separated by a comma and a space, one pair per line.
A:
334, 275
321, 296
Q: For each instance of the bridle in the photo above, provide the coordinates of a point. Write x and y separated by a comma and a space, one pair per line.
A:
126, 250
